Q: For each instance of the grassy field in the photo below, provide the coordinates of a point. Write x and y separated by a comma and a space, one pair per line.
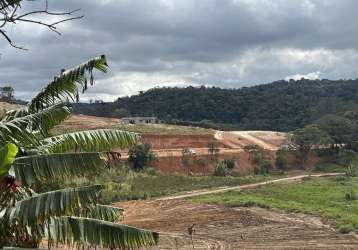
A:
125, 184
151, 184
329, 197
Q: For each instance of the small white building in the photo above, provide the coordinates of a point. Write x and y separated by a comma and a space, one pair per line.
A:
139, 120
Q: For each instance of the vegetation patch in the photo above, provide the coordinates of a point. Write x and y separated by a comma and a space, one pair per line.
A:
122, 183
327, 197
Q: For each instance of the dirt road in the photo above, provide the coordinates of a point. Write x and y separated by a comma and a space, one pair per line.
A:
218, 227
239, 139
254, 185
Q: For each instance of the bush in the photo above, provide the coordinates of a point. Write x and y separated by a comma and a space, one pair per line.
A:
230, 163
281, 161
351, 170
220, 169
265, 167
150, 171
257, 170
350, 196
140, 156
345, 229
341, 178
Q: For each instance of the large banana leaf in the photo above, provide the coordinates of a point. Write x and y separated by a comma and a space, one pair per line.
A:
26, 129
66, 85
7, 157
52, 167
77, 231
90, 141
35, 210
102, 212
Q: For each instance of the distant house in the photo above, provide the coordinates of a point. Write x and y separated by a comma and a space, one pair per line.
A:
7, 92
139, 120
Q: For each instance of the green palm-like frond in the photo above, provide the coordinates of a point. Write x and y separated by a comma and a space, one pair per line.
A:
40, 207
28, 128
52, 167
90, 141
66, 85
90, 232
103, 212
12, 114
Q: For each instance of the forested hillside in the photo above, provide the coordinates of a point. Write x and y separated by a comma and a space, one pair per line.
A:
280, 105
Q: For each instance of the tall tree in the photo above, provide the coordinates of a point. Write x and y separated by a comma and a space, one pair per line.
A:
340, 129
29, 156
308, 137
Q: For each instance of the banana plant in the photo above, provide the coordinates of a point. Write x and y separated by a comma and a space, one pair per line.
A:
29, 156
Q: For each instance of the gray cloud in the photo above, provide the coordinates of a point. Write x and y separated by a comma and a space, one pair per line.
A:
229, 43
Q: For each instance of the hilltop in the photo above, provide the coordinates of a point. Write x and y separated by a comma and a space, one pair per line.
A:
279, 106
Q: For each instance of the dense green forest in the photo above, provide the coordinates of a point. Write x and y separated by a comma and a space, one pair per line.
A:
281, 105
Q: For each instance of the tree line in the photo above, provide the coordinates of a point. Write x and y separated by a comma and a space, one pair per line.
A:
281, 105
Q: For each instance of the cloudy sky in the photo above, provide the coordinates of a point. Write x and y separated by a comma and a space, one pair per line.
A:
227, 43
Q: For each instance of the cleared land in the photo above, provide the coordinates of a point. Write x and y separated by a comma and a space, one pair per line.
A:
10, 106
86, 122
220, 227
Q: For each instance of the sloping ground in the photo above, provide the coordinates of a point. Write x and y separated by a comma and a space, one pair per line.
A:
10, 106
271, 137
218, 227
85, 122
168, 141
239, 139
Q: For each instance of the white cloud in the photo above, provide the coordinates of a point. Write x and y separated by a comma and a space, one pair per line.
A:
226, 43
129, 83
310, 76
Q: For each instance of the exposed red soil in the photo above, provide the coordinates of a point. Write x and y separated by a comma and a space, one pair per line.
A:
168, 147
202, 164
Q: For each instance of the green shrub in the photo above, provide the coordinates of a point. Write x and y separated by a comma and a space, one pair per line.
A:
220, 169
350, 196
265, 167
254, 204
281, 161
341, 178
140, 156
257, 170
150, 171
351, 170
345, 229
230, 163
